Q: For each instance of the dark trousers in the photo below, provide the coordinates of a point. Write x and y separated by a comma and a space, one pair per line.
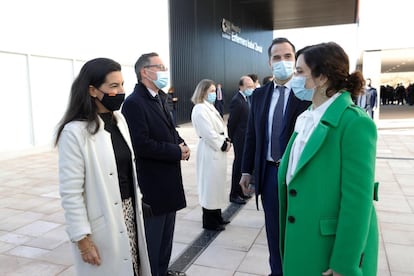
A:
270, 203
236, 189
159, 231
212, 218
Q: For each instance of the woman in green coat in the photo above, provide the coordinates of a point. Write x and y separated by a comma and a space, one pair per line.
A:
328, 222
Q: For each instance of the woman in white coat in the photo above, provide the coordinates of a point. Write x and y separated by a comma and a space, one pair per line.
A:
211, 155
97, 177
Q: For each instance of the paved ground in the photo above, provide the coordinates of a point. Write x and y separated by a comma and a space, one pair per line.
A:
33, 240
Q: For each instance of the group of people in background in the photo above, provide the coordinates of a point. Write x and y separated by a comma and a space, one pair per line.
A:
397, 95
295, 147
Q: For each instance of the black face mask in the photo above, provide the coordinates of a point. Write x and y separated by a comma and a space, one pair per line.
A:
114, 102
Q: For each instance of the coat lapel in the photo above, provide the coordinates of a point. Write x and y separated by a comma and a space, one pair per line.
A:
155, 105
215, 111
328, 121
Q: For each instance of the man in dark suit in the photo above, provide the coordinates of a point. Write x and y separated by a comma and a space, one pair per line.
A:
236, 126
158, 149
219, 103
273, 113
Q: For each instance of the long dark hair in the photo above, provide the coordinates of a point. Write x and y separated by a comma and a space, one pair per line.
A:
330, 60
81, 106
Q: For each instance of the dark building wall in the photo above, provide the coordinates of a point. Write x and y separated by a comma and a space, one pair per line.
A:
198, 50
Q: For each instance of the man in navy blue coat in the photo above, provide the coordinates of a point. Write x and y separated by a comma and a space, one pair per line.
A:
264, 144
236, 126
159, 150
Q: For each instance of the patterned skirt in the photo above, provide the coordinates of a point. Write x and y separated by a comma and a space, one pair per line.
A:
129, 215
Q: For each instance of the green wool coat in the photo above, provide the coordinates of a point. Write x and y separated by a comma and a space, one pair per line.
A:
327, 215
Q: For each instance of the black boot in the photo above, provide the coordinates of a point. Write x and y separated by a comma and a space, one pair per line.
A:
211, 220
220, 218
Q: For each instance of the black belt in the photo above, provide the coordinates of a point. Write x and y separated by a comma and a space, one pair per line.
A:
272, 163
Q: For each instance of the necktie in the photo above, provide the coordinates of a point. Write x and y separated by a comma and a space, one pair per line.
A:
277, 125
159, 101
219, 94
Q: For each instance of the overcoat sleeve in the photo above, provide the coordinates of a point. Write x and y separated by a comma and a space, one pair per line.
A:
356, 195
72, 181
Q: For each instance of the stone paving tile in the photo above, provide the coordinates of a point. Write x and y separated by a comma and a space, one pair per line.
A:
4, 246
198, 270
221, 258
256, 261
7, 212
249, 218
398, 237
13, 222
50, 240
61, 255
28, 252
13, 238
36, 268
400, 258
187, 231
238, 238
9, 264
37, 228
68, 272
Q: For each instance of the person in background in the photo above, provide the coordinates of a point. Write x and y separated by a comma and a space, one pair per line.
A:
400, 93
361, 101
219, 103
267, 79
372, 94
255, 79
211, 155
236, 126
159, 150
329, 213
172, 104
272, 117
97, 179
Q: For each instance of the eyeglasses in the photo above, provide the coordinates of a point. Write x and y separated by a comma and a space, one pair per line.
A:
159, 66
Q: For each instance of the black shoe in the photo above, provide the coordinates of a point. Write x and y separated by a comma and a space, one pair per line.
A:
237, 200
215, 228
175, 273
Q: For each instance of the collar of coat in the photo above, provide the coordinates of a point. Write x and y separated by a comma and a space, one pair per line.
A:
333, 114
330, 119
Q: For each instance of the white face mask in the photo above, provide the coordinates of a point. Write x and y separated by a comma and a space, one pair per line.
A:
162, 79
282, 70
298, 84
248, 92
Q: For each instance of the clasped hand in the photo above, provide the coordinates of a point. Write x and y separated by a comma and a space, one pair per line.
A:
244, 183
185, 151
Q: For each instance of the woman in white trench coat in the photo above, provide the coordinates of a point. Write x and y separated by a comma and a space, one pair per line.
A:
211, 155
97, 178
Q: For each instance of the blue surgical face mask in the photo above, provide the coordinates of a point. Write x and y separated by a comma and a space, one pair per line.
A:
282, 70
162, 79
298, 86
211, 97
248, 92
